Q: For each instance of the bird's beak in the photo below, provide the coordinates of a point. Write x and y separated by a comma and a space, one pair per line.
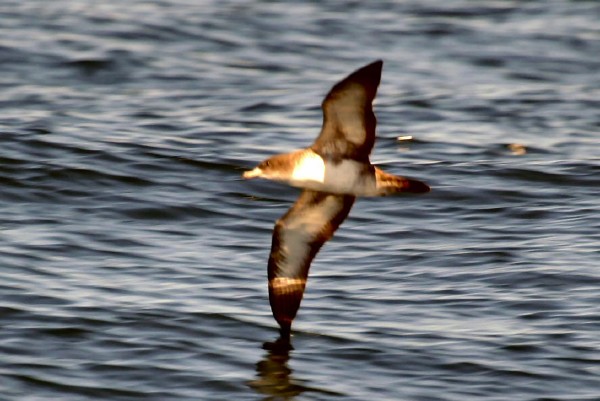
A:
252, 173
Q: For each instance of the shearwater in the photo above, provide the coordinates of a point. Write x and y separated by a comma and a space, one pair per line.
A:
333, 171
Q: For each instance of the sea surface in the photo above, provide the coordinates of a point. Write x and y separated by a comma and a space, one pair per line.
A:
133, 256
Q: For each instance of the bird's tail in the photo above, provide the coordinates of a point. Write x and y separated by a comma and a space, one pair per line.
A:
388, 184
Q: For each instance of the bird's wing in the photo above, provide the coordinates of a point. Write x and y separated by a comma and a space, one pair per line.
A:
348, 120
297, 238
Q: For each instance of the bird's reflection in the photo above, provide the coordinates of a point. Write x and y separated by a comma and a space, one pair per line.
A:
274, 377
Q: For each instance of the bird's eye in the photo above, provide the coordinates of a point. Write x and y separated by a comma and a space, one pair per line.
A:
267, 163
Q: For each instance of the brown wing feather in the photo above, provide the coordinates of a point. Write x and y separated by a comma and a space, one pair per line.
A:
348, 120
297, 238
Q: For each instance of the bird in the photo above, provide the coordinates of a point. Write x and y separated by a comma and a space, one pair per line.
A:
332, 173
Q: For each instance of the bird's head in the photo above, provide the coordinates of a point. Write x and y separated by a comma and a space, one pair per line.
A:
279, 168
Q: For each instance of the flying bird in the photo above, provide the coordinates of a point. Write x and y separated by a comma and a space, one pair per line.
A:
332, 172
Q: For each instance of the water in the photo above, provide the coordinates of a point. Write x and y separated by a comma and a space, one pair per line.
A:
133, 257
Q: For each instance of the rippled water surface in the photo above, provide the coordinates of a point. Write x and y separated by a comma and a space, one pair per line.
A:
133, 256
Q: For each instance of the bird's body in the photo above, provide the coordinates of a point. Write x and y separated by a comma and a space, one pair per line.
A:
332, 172
307, 169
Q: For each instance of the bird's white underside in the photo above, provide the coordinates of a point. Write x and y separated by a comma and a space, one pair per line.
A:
310, 168
345, 177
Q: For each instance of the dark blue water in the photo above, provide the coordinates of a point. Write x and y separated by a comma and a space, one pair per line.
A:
133, 256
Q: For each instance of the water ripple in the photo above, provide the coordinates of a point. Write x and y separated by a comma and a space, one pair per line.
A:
134, 255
